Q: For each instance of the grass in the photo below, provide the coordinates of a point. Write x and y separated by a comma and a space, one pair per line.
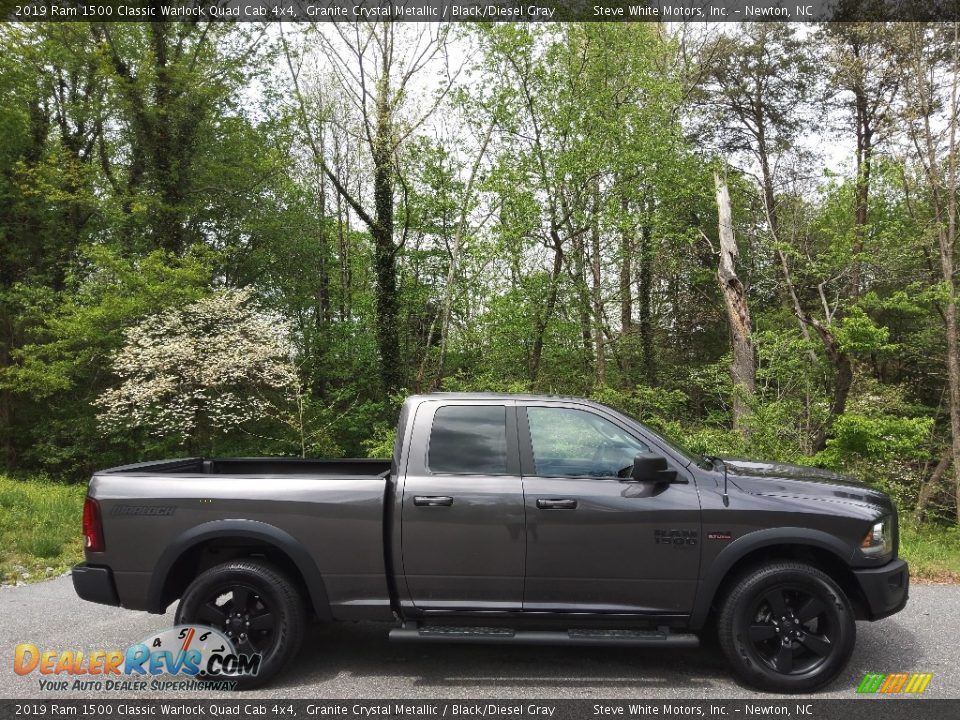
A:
932, 551
40, 528
41, 535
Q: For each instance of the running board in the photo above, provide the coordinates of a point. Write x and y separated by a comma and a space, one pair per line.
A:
662, 637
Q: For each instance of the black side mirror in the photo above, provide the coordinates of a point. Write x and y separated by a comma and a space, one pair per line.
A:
652, 469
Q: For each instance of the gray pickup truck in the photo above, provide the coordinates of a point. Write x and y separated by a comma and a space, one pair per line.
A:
506, 519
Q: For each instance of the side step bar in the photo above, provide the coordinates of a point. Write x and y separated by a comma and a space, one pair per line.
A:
661, 637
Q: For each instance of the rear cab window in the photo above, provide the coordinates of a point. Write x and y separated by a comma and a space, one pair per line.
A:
468, 440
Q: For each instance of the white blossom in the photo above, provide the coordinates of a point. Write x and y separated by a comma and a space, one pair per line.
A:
212, 361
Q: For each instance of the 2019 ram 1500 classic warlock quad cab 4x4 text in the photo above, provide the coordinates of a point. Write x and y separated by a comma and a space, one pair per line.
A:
506, 519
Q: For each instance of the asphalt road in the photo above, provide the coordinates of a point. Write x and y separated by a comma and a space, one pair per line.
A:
357, 661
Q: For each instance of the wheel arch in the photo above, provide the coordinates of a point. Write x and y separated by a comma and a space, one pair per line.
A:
191, 552
820, 549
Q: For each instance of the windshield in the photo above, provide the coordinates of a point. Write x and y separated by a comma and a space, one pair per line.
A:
697, 459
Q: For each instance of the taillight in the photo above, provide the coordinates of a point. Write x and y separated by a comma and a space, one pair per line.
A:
92, 527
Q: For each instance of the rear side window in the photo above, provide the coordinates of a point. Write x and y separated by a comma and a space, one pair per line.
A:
469, 439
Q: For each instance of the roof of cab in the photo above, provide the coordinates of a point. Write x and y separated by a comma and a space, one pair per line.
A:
500, 396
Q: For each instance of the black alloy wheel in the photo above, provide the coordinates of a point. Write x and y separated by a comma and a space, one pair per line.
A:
243, 615
786, 627
256, 605
792, 631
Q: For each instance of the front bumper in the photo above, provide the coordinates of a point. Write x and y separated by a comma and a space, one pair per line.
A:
95, 584
884, 588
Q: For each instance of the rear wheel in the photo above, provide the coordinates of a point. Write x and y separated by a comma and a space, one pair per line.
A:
256, 606
787, 627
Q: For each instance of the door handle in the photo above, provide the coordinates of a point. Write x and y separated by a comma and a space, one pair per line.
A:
556, 504
433, 500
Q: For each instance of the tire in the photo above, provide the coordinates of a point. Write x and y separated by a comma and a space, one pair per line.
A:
265, 598
804, 653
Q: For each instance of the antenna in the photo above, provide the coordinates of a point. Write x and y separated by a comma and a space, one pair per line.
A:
726, 497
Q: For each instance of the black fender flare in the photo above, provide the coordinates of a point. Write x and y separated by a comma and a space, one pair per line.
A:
253, 529
746, 544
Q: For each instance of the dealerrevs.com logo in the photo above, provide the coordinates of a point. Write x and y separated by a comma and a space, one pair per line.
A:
202, 657
894, 683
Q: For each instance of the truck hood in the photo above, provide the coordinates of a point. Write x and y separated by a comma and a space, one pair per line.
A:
798, 481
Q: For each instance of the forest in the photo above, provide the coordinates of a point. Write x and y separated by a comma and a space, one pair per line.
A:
246, 239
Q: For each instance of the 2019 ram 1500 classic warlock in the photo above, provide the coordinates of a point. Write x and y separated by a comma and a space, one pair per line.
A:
506, 519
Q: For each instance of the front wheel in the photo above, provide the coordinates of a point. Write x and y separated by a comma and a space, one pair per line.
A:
787, 627
256, 606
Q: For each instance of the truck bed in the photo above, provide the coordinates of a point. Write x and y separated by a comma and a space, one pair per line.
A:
334, 509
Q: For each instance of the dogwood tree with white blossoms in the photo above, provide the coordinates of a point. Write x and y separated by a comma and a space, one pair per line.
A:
218, 363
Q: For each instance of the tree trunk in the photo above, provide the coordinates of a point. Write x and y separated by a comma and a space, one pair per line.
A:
384, 248
543, 320
343, 247
323, 274
626, 297
597, 298
166, 157
842, 381
948, 246
953, 373
385, 268
742, 368
945, 213
928, 489
862, 190
644, 292
7, 422
578, 274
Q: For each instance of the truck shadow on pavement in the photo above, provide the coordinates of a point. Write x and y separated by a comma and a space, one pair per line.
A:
353, 653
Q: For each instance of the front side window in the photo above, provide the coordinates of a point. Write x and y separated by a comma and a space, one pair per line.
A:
577, 443
469, 439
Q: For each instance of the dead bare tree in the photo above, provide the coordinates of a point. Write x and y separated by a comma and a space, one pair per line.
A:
743, 369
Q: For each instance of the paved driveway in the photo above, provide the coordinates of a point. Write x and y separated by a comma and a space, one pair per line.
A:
357, 661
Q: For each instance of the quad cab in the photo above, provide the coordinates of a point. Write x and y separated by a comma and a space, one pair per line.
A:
506, 519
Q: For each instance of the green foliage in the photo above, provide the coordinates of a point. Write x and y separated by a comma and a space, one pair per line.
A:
483, 383
777, 430
380, 443
880, 438
653, 406
858, 333
145, 168
60, 366
105, 294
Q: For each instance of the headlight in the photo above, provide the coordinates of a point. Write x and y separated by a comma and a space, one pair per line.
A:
879, 538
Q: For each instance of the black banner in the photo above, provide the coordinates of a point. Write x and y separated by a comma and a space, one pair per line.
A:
241, 706
479, 10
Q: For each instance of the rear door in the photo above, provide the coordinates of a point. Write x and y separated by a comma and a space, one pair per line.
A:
462, 517
597, 542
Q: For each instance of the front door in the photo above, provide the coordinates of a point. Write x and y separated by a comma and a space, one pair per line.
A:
462, 532
597, 542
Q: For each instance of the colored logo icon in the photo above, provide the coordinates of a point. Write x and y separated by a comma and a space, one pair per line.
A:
894, 683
